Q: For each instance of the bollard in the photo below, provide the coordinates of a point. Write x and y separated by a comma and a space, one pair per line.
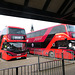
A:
63, 68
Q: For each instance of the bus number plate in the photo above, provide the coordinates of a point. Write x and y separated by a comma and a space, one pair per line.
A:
18, 54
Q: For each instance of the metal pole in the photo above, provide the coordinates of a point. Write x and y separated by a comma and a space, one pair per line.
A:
16, 70
38, 63
42, 52
73, 55
34, 51
63, 67
54, 53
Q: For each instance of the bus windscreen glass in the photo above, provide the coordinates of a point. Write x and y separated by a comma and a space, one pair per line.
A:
71, 28
16, 46
16, 31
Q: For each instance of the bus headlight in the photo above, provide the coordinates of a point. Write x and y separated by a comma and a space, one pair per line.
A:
70, 45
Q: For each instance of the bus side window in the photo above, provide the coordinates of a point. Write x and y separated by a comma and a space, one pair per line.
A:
4, 32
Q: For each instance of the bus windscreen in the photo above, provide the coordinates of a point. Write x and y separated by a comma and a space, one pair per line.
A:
71, 28
16, 31
16, 46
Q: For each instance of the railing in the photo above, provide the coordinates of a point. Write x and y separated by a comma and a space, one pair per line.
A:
44, 68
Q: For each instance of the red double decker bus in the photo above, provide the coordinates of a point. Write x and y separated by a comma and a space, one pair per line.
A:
12, 43
53, 41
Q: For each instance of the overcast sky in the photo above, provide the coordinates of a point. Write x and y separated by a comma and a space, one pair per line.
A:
24, 23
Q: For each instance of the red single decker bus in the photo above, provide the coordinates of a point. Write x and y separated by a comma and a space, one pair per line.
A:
53, 41
12, 43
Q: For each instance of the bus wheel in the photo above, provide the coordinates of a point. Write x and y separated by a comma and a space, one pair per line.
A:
51, 54
24, 57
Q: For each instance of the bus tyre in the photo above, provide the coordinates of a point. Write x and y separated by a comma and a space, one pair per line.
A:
24, 57
51, 54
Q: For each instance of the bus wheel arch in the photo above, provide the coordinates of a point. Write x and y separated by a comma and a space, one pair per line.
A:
51, 54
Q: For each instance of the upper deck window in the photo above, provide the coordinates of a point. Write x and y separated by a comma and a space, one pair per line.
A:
58, 29
70, 28
16, 31
4, 32
37, 33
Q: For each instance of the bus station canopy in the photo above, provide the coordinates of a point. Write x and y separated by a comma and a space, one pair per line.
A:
62, 11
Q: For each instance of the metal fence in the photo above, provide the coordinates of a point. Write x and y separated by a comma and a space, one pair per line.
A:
44, 68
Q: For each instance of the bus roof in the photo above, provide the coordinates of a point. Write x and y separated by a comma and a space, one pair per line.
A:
14, 27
